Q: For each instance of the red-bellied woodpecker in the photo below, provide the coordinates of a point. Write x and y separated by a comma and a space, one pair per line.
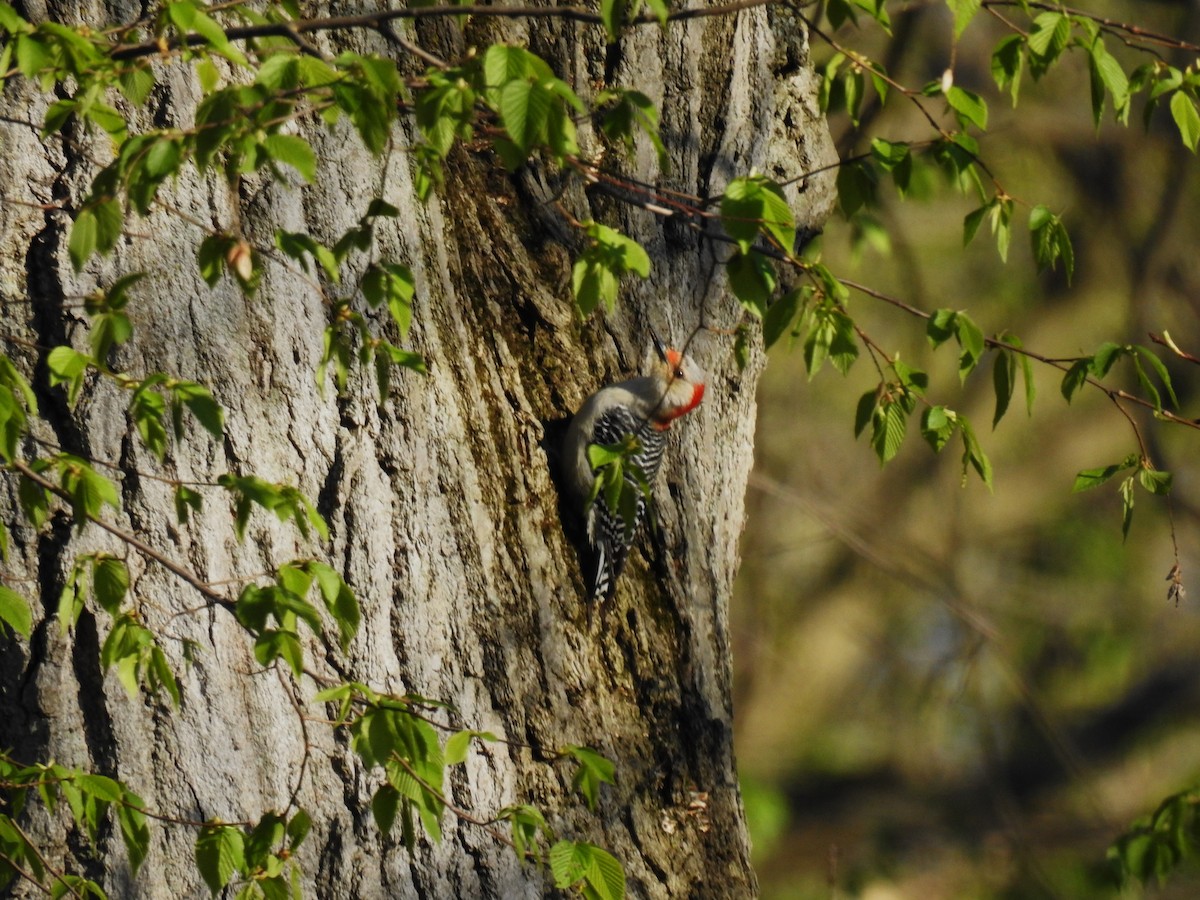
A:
643, 407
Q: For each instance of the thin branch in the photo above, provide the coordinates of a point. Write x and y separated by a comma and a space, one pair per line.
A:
132, 540
376, 20
459, 812
1112, 25
293, 800
1061, 365
54, 873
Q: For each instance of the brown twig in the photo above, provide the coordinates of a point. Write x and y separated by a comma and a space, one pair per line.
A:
374, 21
132, 540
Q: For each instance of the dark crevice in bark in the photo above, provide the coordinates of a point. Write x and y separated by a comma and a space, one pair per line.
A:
97, 724
645, 854
329, 499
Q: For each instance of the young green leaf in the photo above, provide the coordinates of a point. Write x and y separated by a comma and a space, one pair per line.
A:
969, 108
890, 422
780, 315
293, 151
593, 771
752, 279
1155, 481
15, 612
1126, 506
1090, 478
220, 851
937, 426
110, 581
1050, 241
67, 367
964, 11
1187, 120
973, 455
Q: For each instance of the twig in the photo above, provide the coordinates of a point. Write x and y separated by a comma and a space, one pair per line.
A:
132, 540
375, 20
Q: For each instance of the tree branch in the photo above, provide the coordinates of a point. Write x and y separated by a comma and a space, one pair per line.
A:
132, 540
377, 20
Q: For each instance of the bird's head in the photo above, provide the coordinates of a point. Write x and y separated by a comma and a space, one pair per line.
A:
681, 382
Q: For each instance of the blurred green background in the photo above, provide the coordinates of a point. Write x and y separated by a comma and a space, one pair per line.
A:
942, 692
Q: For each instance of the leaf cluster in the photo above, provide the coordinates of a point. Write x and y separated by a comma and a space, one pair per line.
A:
258, 858
89, 800
272, 613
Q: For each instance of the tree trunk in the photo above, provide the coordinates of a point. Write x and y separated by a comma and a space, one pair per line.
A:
441, 502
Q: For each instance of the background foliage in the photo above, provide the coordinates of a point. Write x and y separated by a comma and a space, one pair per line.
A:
941, 691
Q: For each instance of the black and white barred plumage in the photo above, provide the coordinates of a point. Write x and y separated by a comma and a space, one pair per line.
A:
607, 529
644, 407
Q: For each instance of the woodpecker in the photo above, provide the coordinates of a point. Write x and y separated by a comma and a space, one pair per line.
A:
643, 407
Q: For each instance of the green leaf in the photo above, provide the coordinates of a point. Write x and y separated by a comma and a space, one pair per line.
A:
524, 110
1090, 478
134, 830
569, 862
200, 403
1050, 240
67, 366
299, 246
339, 600
972, 221
609, 255
970, 338
15, 612
612, 15
831, 335
1187, 120
11, 22
605, 876
188, 17
940, 327
752, 278
220, 851
275, 644
35, 502
864, 410
83, 238
1004, 381
969, 108
780, 315
293, 151
1102, 360
964, 11
1159, 369
110, 581
395, 285
186, 499
1107, 75
1155, 481
857, 183
458, 746
973, 455
593, 771
1048, 38
890, 423
937, 426
1075, 377
754, 204
298, 828
1007, 60
1126, 506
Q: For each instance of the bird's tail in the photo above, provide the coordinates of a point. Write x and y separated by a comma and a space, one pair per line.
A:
603, 583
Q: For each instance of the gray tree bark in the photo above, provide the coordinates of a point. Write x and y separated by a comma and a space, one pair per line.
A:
443, 511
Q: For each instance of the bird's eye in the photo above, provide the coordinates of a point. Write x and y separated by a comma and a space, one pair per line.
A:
679, 373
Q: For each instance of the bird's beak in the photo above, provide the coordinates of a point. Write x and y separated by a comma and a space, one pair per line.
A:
658, 346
